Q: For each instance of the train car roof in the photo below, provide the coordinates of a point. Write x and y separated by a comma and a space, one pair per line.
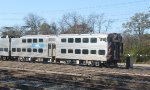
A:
66, 35
36, 36
72, 35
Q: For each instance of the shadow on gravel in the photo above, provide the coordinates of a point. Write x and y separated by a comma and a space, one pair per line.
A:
26, 81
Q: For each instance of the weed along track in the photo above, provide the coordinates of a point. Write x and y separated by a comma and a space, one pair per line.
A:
37, 75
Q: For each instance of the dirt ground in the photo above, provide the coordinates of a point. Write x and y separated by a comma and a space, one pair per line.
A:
85, 76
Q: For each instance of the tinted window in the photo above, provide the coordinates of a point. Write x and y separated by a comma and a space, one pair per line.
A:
93, 51
40, 40
34, 50
1, 49
40, 50
70, 40
5, 49
28, 49
70, 51
23, 49
93, 40
34, 40
85, 40
53, 46
103, 39
14, 49
101, 52
29, 40
85, 51
18, 49
77, 51
63, 40
63, 50
78, 40
23, 40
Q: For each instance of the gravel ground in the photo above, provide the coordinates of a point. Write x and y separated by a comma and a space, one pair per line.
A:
81, 70
116, 78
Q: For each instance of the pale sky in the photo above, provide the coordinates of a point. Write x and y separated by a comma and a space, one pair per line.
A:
12, 12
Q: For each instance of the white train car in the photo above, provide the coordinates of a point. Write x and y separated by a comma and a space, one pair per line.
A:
33, 47
4, 48
85, 49
89, 49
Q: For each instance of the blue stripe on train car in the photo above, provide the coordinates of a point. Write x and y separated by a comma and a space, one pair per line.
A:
38, 45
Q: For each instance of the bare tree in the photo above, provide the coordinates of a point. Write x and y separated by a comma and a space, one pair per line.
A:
96, 21
100, 22
12, 32
91, 21
34, 22
72, 23
108, 25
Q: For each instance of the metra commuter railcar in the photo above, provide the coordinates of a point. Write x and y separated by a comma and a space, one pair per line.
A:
85, 49
91, 49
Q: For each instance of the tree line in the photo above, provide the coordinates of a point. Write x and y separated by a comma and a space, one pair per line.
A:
70, 23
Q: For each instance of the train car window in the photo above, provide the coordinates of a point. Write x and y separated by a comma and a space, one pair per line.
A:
53, 46
18, 49
13, 49
29, 40
85, 51
40, 50
103, 39
70, 40
93, 51
101, 52
63, 40
85, 40
40, 40
78, 40
77, 51
34, 40
23, 49
6, 49
23, 40
34, 50
70, 50
93, 40
1, 49
28, 49
63, 50
49, 46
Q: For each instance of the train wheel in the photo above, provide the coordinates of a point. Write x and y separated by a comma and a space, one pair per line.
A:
45, 60
93, 63
3, 58
100, 64
115, 64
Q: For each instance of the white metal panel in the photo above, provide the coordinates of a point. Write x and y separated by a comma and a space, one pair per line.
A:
100, 45
17, 43
4, 43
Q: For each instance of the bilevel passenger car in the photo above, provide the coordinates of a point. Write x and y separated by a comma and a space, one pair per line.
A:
83, 49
